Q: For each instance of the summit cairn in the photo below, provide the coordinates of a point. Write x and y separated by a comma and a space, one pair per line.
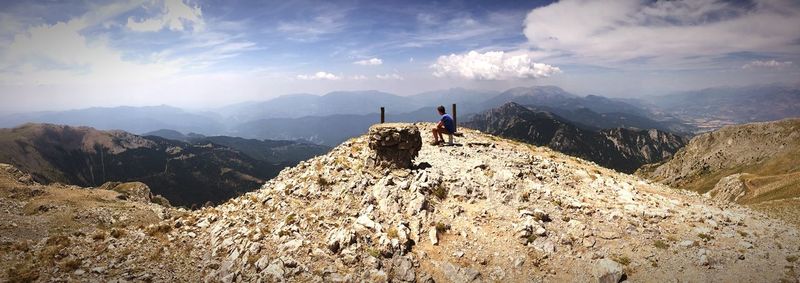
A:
395, 145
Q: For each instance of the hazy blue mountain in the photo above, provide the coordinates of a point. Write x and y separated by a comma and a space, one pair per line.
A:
447, 97
168, 134
732, 105
131, 119
555, 97
334, 103
586, 118
327, 130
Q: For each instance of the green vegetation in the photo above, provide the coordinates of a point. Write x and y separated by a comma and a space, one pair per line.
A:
440, 191
290, 219
441, 227
530, 238
374, 252
661, 244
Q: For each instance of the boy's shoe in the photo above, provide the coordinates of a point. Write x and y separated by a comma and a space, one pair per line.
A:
435, 143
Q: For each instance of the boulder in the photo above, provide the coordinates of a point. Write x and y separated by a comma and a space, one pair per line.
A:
608, 271
395, 145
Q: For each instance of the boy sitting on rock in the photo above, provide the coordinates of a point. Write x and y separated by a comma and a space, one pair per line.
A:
445, 126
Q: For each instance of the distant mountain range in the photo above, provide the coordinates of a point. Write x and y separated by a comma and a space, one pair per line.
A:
273, 151
334, 117
712, 108
131, 119
617, 148
187, 174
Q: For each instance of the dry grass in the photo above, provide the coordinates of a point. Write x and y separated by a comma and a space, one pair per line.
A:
117, 233
72, 264
99, 235
158, 230
621, 259
22, 273
441, 227
392, 233
705, 237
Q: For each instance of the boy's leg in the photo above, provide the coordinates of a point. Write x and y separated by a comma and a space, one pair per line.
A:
435, 136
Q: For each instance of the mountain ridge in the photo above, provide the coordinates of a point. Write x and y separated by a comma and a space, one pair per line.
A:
620, 149
184, 173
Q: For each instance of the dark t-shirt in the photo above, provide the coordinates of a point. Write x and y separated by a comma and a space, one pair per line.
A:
448, 123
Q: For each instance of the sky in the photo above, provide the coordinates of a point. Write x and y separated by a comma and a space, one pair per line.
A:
199, 54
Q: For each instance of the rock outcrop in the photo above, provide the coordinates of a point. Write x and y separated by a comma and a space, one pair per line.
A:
491, 210
395, 145
728, 189
134, 191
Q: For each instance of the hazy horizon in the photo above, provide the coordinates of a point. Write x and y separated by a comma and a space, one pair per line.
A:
203, 54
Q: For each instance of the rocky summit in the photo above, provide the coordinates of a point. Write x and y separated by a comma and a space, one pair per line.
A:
490, 210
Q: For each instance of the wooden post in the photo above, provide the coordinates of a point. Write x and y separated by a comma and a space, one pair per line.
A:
383, 115
455, 124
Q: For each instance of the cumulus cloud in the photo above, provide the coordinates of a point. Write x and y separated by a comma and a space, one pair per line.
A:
369, 62
174, 15
766, 64
492, 65
358, 77
388, 77
319, 76
61, 53
662, 32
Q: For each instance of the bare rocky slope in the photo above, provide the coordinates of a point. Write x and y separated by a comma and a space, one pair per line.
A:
32, 213
490, 210
756, 164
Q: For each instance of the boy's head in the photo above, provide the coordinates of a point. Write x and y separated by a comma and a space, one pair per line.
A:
441, 110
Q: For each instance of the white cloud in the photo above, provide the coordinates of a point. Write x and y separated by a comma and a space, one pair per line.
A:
358, 77
687, 32
369, 62
496, 65
174, 15
388, 77
319, 76
60, 53
766, 64
328, 20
